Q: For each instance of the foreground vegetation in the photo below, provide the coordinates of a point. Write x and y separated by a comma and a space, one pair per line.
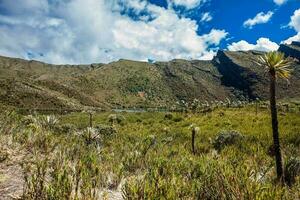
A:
150, 155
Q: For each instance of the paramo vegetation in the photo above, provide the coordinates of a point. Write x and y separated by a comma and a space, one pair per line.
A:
149, 155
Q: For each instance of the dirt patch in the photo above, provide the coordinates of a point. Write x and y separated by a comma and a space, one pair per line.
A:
11, 174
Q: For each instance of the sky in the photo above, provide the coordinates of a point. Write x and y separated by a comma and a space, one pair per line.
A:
102, 31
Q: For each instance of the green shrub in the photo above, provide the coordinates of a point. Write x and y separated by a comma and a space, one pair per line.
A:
225, 138
105, 130
116, 119
178, 119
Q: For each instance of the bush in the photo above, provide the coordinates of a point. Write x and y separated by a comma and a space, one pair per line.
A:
169, 116
138, 120
105, 130
95, 135
48, 122
292, 170
226, 138
178, 119
116, 118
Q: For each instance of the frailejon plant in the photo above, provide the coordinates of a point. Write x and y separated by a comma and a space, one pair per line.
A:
277, 66
149, 162
195, 130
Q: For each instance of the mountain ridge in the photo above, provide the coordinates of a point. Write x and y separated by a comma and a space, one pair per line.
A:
126, 83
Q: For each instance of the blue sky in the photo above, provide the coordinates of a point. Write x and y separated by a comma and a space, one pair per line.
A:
88, 31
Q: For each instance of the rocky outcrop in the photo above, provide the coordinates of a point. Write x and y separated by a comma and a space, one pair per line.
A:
292, 50
247, 79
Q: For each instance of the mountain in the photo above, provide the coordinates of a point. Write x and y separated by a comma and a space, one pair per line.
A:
233, 75
292, 50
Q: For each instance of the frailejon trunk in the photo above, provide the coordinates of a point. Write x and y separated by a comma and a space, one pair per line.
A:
277, 151
193, 140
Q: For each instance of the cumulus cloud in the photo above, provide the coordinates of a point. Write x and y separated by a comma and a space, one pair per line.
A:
295, 20
260, 18
86, 31
295, 24
280, 2
189, 4
262, 44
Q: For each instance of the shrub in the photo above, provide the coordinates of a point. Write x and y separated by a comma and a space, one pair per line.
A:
168, 116
292, 170
90, 136
225, 138
138, 120
115, 119
95, 135
105, 130
178, 119
48, 121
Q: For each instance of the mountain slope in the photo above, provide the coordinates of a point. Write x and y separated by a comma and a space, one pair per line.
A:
250, 80
32, 84
292, 49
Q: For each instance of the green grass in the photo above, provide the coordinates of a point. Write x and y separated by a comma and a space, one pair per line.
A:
151, 155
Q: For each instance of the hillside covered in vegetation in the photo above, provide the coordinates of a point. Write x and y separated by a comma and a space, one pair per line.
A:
232, 75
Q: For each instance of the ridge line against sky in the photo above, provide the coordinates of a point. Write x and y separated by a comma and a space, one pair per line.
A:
89, 31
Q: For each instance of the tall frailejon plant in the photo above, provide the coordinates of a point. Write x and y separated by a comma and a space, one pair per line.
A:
277, 66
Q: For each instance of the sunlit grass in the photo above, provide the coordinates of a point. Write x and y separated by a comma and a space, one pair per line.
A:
151, 155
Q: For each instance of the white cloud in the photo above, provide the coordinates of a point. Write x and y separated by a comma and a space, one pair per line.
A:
291, 39
295, 24
262, 44
189, 4
295, 20
86, 31
260, 18
206, 17
280, 2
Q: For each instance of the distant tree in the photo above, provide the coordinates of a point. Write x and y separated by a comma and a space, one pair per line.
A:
277, 66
